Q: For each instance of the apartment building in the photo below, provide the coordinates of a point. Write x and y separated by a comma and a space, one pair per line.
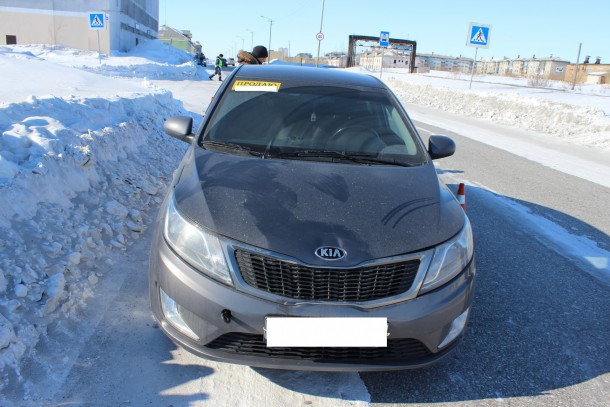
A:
543, 68
436, 62
181, 39
592, 73
66, 22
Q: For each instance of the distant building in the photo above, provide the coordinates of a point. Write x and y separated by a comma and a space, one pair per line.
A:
436, 62
596, 73
63, 22
391, 58
180, 39
541, 68
337, 59
304, 55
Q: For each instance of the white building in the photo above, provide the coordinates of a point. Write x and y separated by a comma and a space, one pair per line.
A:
392, 58
66, 22
425, 62
544, 68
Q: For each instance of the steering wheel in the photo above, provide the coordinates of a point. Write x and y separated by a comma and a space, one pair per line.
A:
354, 137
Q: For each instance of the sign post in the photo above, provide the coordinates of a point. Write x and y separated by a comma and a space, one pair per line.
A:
384, 42
320, 35
478, 36
97, 21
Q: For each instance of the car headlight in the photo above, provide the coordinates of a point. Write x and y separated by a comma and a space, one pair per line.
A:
196, 246
449, 259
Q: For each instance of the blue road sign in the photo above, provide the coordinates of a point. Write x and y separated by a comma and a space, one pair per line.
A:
478, 35
384, 39
97, 21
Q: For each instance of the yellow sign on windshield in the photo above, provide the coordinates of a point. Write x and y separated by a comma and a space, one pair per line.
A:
256, 86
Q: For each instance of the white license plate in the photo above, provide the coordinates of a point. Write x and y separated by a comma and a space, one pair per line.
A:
336, 332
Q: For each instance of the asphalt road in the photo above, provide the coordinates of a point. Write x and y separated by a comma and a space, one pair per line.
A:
539, 331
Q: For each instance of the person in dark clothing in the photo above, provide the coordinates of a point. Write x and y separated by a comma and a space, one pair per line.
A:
218, 67
258, 55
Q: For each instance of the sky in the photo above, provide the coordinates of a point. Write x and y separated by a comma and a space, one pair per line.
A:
519, 27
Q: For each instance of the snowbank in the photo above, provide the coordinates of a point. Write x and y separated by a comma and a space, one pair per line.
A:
151, 59
577, 124
80, 177
77, 190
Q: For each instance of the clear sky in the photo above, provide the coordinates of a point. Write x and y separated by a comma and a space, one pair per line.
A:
519, 27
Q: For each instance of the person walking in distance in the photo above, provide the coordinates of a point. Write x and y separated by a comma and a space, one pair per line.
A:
218, 67
258, 55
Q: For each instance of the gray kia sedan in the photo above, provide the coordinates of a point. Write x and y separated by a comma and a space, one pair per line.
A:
306, 228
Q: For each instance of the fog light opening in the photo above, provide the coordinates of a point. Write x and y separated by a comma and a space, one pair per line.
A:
457, 326
226, 315
172, 314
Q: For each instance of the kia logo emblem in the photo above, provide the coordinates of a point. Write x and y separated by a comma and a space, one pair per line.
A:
330, 253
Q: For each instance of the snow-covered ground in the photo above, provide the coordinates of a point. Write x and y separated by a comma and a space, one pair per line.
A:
581, 117
84, 163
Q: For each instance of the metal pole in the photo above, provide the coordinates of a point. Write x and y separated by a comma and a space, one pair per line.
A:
320, 41
270, 25
251, 38
576, 70
473, 64
381, 69
99, 49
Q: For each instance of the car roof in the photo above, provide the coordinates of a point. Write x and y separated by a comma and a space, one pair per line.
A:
320, 76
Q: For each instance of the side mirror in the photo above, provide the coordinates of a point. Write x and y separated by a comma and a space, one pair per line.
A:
440, 146
180, 127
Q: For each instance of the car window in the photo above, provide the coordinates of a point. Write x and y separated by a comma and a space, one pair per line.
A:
315, 118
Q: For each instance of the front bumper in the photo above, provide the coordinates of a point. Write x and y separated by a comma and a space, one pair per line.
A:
416, 327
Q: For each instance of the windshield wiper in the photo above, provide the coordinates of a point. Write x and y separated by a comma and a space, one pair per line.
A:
360, 158
232, 146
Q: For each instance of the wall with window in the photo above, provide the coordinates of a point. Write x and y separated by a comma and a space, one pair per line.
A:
66, 23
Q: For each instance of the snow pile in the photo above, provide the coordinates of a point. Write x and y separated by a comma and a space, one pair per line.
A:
578, 124
151, 59
80, 177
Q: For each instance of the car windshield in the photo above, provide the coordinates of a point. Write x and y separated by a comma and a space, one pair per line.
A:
310, 122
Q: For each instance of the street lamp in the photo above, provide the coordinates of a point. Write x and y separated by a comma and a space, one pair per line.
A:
251, 39
242, 41
270, 25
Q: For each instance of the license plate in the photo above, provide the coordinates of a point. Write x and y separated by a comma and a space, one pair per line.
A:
335, 332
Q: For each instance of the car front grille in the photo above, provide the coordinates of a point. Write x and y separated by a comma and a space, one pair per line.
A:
300, 282
397, 351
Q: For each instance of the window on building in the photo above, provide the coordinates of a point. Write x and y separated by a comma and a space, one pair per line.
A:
11, 40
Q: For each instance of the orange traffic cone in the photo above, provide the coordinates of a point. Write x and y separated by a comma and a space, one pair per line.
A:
461, 196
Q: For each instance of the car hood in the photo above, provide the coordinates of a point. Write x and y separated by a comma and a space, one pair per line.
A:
294, 207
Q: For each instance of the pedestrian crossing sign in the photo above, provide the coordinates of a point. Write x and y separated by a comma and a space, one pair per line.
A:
97, 21
478, 35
